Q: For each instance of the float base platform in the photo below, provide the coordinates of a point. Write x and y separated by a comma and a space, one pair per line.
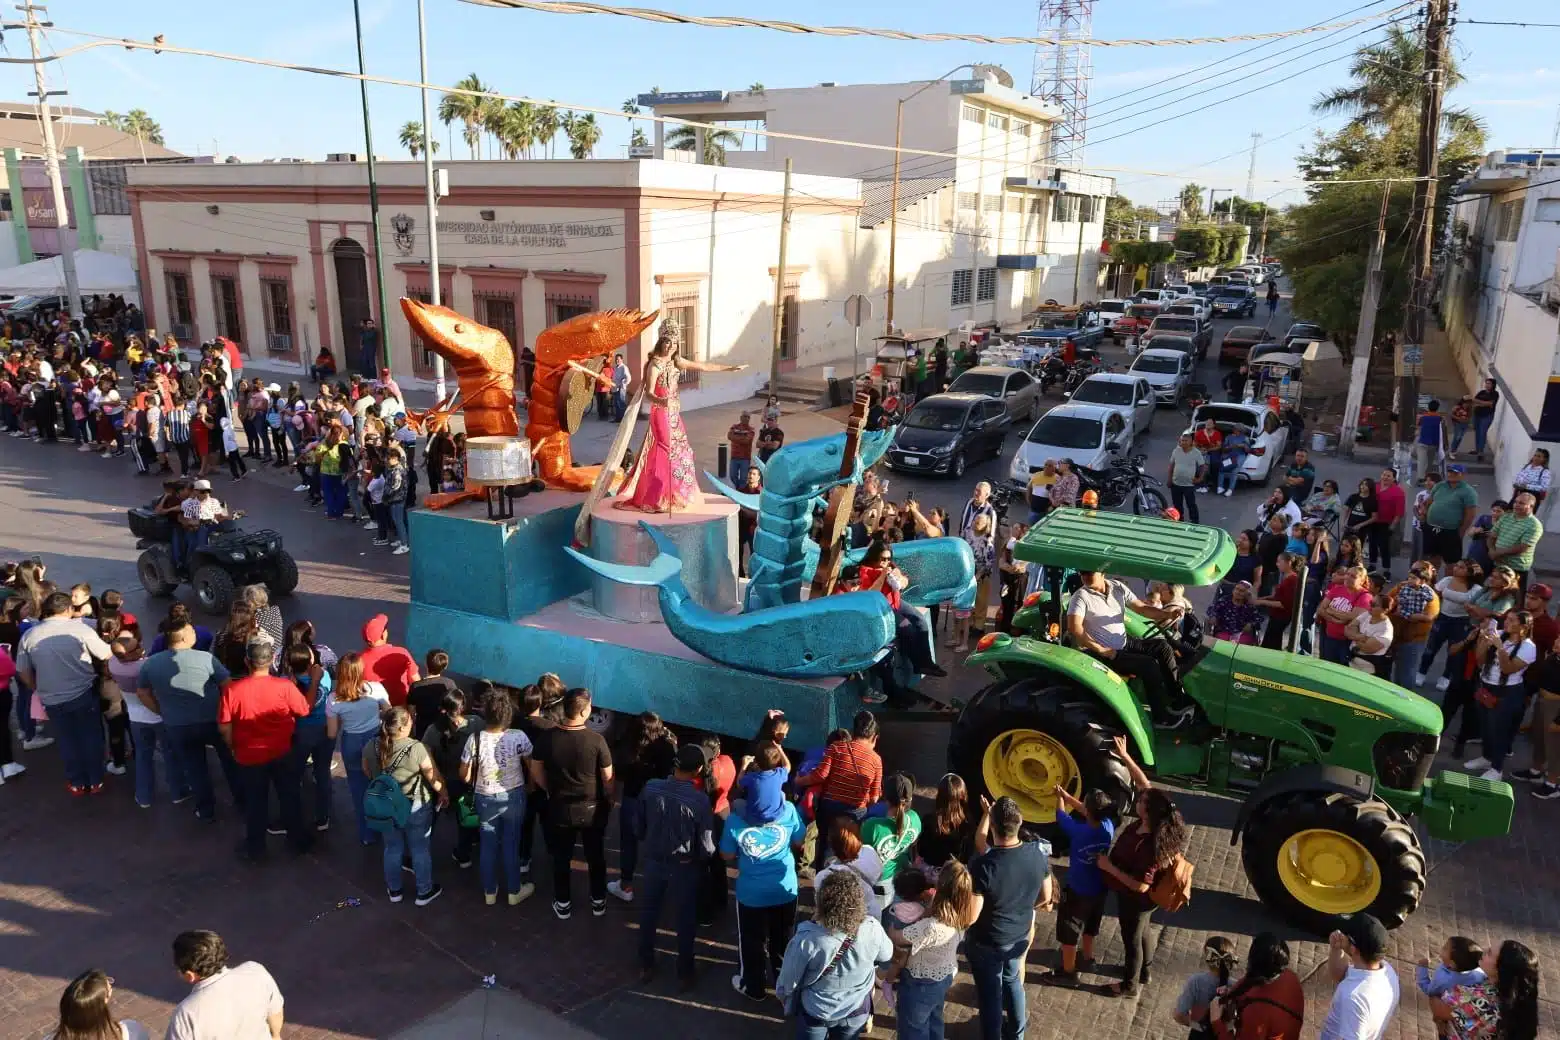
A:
630, 667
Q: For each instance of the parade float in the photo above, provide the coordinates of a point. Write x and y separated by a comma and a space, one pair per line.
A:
626, 581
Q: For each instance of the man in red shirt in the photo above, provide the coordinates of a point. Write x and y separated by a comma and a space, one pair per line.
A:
1210, 441
256, 717
393, 667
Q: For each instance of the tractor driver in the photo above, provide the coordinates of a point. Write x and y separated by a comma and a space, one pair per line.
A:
202, 514
1096, 621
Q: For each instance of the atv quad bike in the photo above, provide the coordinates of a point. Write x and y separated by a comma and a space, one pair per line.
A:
231, 558
1329, 761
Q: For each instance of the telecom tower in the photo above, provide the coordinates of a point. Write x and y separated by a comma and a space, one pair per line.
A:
1251, 172
1062, 74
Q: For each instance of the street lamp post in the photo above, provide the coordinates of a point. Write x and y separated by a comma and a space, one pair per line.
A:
893, 205
434, 293
373, 193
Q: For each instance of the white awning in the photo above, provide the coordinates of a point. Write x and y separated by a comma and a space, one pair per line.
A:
97, 273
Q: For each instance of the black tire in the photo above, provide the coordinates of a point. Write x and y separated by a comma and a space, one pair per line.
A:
284, 574
956, 470
1153, 495
154, 566
213, 588
1070, 715
1373, 824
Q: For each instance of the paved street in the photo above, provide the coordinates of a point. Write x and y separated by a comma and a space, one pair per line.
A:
100, 883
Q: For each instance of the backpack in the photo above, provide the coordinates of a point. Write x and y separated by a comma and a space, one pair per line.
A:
1172, 888
385, 806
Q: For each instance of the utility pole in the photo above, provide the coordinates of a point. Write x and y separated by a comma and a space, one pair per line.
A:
434, 286
1416, 318
373, 197
1365, 334
51, 157
1078, 260
893, 219
779, 315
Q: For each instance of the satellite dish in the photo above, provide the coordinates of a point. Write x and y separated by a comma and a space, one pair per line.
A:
997, 73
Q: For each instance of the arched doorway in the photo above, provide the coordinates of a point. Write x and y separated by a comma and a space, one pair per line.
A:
352, 294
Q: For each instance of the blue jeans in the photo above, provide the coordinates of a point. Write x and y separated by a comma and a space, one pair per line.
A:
999, 988
335, 492
1481, 429
354, 496
809, 1028
352, 745
147, 735
397, 511
619, 405
628, 842
1231, 473
1499, 724
1405, 663
919, 1007
1334, 650
1443, 631
311, 740
501, 815
188, 745
78, 729
24, 720
678, 883
739, 471
415, 838
1455, 438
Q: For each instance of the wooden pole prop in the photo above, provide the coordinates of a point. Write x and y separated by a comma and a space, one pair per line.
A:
609, 468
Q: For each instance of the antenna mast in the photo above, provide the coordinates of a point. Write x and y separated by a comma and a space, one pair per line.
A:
1251, 172
1062, 74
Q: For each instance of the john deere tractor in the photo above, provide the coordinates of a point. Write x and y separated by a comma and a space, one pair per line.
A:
1329, 762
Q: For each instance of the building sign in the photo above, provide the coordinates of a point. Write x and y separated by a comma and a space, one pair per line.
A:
514, 233
40, 208
682, 97
401, 224
967, 86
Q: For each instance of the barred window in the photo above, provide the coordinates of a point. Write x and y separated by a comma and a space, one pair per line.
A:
970, 114
987, 286
967, 199
991, 203
961, 289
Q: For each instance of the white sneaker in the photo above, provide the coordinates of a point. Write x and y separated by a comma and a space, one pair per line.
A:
116, 770
301, 487
11, 769
1229, 492
84, 448
37, 743
1443, 685
400, 550
526, 891
1478, 765
106, 455
617, 889
1490, 774
368, 524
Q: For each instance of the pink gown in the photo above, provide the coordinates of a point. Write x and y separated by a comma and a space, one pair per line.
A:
663, 477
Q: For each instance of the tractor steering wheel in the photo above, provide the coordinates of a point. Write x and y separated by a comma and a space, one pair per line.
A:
1163, 629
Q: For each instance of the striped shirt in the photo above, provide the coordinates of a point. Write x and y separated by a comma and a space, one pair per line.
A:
852, 773
178, 420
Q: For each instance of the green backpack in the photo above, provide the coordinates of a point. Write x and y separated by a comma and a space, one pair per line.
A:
385, 806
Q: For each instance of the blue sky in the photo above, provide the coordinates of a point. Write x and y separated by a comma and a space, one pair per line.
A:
1138, 123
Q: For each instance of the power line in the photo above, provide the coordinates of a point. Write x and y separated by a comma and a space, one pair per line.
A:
731, 22
1524, 25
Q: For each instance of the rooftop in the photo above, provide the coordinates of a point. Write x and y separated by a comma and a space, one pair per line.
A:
21, 129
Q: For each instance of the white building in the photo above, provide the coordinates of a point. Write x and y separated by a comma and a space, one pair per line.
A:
1500, 298
987, 227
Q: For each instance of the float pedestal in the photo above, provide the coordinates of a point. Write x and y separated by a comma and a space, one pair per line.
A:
706, 539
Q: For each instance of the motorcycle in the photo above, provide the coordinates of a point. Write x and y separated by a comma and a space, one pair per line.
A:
1125, 480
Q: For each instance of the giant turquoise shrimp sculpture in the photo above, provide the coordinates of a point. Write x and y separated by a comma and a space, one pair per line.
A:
777, 633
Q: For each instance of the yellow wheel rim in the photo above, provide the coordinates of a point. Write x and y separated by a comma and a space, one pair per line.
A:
1026, 765
1329, 871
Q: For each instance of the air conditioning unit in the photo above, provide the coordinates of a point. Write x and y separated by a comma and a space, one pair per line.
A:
277, 343
183, 333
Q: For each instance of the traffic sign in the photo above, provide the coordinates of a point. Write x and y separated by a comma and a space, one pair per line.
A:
858, 310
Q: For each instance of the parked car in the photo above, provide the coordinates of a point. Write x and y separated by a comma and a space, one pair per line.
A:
1135, 322
945, 433
1180, 289
1268, 433
1110, 311
1016, 389
29, 307
1217, 282
1235, 301
1090, 435
1167, 370
1128, 394
1255, 273
1304, 330
1195, 306
1163, 297
1199, 288
1179, 325
1238, 341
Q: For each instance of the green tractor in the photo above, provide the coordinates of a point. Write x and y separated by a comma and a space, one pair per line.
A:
1327, 760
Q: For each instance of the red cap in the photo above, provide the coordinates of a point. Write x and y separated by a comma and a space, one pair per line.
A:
374, 628
1542, 591
1172, 513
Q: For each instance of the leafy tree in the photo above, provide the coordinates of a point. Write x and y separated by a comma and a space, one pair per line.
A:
1191, 201
1387, 84
631, 107
1204, 243
583, 133
470, 111
1121, 214
548, 123
1141, 252
756, 88
685, 139
412, 138
137, 123
637, 138
514, 126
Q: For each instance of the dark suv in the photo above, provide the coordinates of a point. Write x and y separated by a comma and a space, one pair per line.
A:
945, 433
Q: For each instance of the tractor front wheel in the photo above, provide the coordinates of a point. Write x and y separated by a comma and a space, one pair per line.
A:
1022, 738
1315, 857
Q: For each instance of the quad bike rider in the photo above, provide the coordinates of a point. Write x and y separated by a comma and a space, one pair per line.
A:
1328, 762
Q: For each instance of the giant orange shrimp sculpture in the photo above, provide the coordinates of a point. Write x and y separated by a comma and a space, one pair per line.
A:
484, 364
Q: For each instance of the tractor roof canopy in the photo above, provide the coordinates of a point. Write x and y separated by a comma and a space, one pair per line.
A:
1129, 546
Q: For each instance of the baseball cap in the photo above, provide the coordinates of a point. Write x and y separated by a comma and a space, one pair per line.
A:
690, 758
1368, 935
1456, 467
202, 485
273, 388
374, 628
1542, 591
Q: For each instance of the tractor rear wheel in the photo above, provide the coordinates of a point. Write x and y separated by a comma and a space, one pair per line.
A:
1022, 738
1316, 856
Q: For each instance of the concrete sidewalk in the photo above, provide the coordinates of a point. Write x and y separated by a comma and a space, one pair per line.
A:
494, 1014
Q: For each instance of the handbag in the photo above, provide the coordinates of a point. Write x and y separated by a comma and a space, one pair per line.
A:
1486, 697
793, 1004
466, 803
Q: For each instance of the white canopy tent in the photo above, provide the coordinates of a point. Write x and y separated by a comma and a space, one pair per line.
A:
96, 274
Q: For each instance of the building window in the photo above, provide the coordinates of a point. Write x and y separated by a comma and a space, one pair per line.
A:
1510, 221
1021, 129
180, 306
1090, 208
960, 297
967, 200
563, 310
1037, 206
991, 204
1015, 204
274, 297
230, 322
970, 114
498, 312
986, 288
790, 324
996, 122
1064, 209
684, 311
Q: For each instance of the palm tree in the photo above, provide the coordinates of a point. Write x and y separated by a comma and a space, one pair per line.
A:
685, 139
583, 133
547, 124
412, 138
631, 107
637, 138
1191, 201
515, 128
1387, 87
142, 126
756, 88
467, 109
